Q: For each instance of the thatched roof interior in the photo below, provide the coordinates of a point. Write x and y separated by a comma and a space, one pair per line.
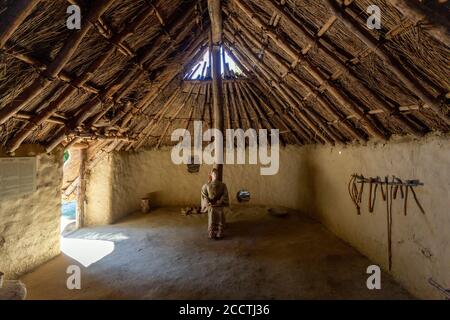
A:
309, 67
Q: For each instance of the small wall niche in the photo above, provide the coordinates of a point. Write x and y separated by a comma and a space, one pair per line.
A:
194, 165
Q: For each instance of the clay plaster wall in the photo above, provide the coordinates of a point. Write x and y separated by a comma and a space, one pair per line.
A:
152, 174
30, 225
313, 180
420, 242
99, 209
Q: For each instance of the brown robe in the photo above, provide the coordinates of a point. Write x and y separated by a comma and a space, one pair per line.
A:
216, 193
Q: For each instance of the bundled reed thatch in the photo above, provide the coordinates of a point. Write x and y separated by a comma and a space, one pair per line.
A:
310, 70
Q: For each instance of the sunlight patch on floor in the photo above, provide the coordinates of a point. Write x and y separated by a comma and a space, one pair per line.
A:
86, 252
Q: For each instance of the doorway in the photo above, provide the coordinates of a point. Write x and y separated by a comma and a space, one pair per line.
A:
69, 193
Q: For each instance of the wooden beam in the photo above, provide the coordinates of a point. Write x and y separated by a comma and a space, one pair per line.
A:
81, 197
45, 114
193, 54
215, 14
269, 87
28, 116
339, 10
324, 44
418, 12
313, 71
63, 56
284, 91
40, 66
311, 91
10, 20
177, 112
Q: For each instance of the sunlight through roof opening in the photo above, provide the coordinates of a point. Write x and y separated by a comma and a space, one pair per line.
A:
202, 70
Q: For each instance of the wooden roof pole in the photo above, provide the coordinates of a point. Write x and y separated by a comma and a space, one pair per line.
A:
312, 41
234, 106
215, 14
130, 111
204, 105
261, 114
40, 66
339, 11
285, 120
227, 104
300, 126
162, 113
147, 131
311, 91
45, 114
56, 66
150, 97
177, 112
330, 88
28, 116
242, 111
86, 111
274, 79
193, 53
16, 13
209, 122
416, 11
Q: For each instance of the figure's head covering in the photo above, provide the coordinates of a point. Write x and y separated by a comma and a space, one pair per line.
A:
213, 171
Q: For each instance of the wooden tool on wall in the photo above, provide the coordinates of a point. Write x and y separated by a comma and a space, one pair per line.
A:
390, 189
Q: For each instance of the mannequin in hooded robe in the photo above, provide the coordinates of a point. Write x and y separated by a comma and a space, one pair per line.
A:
214, 200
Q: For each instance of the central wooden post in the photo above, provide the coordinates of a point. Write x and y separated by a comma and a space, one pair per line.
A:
215, 13
81, 189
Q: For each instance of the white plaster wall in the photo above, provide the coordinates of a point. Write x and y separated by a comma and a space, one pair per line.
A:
30, 225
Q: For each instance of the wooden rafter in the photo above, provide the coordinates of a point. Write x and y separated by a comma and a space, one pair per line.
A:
106, 95
298, 76
378, 48
311, 92
14, 16
56, 66
323, 44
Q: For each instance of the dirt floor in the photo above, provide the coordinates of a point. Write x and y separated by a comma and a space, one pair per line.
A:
166, 255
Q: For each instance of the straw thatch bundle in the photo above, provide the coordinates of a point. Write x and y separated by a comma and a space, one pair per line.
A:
311, 70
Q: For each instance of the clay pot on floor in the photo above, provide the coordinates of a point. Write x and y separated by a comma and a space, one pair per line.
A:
145, 205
